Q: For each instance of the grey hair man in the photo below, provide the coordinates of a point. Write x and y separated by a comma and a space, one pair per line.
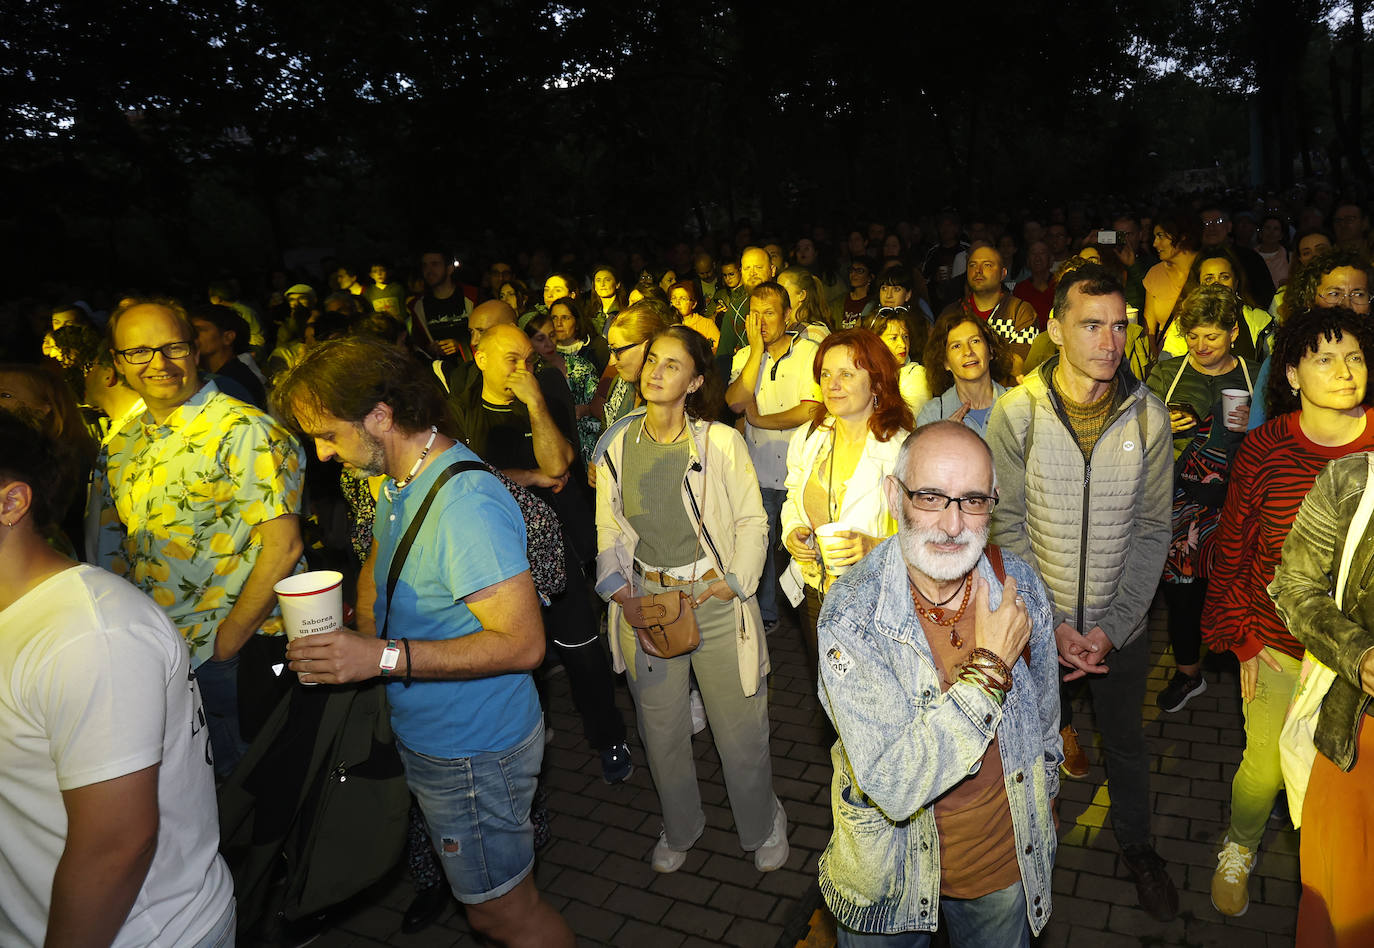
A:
938, 671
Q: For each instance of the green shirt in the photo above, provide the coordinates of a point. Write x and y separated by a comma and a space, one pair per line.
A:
652, 498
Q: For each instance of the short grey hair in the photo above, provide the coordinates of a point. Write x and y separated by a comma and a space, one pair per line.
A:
934, 427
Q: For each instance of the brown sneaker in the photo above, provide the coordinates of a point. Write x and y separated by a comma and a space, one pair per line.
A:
1075, 761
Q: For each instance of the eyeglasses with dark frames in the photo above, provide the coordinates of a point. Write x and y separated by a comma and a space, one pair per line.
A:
142, 355
619, 351
932, 501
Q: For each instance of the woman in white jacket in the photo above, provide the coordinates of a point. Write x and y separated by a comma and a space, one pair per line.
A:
835, 466
678, 509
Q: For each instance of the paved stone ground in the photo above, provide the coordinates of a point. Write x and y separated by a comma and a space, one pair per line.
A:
596, 870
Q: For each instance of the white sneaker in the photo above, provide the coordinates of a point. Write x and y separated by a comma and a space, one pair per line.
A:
698, 713
667, 859
774, 851
1231, 881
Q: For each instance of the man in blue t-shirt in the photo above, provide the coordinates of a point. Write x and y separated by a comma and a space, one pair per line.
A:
463, 624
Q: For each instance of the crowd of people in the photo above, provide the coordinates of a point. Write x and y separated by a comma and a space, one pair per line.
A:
968, 456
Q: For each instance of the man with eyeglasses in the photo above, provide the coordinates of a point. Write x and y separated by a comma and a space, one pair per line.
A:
1084, 457
940, 743
987, 300
199, 499
1216, 232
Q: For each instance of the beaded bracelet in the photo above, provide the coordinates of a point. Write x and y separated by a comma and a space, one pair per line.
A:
985, 674
1002, 667
985, 668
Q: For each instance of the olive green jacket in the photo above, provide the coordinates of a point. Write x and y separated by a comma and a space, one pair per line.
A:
1338, 635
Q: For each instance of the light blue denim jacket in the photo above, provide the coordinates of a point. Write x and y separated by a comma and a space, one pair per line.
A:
903, 744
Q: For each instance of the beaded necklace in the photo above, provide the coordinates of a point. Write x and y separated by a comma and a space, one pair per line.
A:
414, 468
937, 616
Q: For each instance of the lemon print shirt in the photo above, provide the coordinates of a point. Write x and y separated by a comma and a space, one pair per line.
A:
179, 501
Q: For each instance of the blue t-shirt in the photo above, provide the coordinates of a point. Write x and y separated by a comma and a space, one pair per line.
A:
472, 538
1261, 391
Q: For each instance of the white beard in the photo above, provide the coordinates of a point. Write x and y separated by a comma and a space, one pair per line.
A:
941, 567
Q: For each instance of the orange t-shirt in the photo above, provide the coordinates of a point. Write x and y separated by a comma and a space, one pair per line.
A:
973, 818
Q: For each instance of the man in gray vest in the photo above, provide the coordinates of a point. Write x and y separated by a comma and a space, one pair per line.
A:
1085, 470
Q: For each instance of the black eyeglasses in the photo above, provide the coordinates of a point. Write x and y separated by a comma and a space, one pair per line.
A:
893, 311
932, 501
619, 351
142, 355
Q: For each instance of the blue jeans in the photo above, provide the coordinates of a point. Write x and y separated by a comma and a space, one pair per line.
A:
478, 812
768, 584
219, 691
995, 920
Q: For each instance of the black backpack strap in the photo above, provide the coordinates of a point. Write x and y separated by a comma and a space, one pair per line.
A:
398, 559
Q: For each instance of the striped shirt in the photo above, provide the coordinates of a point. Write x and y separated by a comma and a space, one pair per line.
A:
1272, 473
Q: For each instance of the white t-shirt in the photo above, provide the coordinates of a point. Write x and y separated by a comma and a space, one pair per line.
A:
95, 683
783, 384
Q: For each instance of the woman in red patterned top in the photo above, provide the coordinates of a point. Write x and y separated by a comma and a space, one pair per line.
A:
1317, 400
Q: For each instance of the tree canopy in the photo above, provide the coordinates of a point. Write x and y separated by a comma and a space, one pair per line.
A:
182, 135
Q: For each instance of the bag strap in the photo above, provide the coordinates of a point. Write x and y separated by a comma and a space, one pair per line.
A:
1357, 528
398, 558
701, 514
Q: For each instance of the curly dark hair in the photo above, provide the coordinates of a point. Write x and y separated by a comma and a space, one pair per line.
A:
1302, 334
708, 400
938, 376
1300, 294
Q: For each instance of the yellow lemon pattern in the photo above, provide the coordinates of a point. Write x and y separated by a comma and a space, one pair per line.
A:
180, 501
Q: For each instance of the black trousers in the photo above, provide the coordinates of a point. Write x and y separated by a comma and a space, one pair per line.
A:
572, 632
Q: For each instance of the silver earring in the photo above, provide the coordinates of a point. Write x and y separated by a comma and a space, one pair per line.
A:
1295, 391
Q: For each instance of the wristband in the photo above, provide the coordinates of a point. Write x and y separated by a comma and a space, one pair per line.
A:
406, 680
390, 655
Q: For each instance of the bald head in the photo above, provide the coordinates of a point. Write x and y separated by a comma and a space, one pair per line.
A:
503, 351
939, 464
503, 337
945, 440
488, 315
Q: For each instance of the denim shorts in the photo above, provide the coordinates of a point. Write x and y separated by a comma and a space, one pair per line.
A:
478, 813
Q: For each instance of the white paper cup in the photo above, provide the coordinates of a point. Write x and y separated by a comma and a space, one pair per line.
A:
829, 545
311, 603
1231, 399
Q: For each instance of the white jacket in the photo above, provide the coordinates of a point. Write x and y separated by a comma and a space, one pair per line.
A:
734, 530
864, 507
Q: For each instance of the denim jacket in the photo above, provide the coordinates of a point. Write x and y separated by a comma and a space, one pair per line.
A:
903, 744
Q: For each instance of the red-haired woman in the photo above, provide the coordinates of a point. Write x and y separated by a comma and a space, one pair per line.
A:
835, 467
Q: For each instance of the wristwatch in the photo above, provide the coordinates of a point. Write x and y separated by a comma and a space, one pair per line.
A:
390, 656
